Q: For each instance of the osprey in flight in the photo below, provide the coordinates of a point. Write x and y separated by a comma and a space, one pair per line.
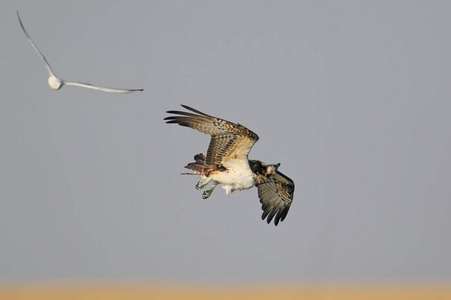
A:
227, 163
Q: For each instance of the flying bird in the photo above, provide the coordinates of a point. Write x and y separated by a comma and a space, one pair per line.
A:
227, 163
56, 83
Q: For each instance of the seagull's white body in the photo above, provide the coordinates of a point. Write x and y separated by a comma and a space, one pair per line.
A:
57, 83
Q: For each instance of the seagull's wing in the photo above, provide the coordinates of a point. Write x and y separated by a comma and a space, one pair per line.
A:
103, 89
47, 65
276, 194
228, 140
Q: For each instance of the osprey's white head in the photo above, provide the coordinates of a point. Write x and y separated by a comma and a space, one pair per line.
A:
271, 169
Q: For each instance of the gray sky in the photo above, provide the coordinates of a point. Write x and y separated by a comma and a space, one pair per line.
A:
351, 97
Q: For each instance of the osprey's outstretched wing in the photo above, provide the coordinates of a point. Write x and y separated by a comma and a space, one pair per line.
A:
228, 140
276, 195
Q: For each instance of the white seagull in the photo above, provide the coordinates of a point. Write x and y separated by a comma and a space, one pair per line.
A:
57, 83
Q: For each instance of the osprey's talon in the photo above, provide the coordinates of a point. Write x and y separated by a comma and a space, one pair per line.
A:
207, 193
202, 183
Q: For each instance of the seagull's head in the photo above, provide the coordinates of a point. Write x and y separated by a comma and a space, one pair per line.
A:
55, 83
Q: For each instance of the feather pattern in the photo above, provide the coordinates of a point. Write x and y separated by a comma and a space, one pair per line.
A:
228, 140
276, 194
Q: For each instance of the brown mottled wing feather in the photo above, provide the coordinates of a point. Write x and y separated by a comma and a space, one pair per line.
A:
276, 194
228, 140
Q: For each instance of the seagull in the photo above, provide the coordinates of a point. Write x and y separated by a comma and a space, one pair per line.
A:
227, 163
57, 83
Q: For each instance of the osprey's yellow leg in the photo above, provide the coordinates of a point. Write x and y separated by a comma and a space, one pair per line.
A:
203, 183
207, 193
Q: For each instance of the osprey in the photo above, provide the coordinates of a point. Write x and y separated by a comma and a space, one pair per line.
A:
227, 163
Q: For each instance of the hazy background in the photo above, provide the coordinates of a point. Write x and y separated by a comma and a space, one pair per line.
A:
351, 97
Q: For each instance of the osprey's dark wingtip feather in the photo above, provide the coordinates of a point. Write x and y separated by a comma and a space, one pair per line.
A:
278, 215
195, 110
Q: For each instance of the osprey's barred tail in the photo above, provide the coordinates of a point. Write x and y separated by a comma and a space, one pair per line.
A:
200, 167
200, 159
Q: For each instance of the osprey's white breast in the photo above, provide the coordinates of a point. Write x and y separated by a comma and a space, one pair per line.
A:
238, 176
